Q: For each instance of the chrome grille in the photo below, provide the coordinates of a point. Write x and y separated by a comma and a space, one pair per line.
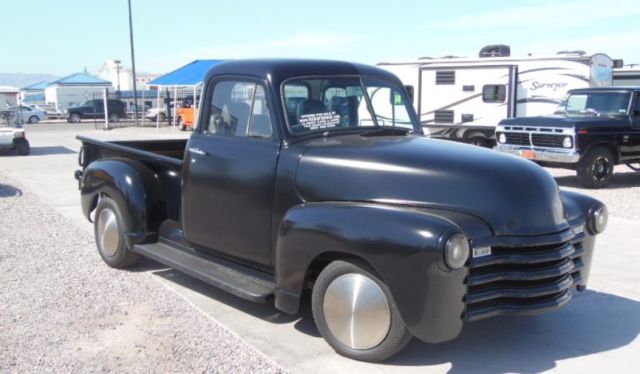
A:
522, 280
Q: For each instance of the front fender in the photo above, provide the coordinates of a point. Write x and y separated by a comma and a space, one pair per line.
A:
403, 245
133, 186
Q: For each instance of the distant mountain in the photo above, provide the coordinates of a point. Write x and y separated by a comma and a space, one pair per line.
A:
24, 79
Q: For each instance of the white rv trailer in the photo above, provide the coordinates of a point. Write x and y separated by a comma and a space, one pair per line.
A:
628, 75
463, 99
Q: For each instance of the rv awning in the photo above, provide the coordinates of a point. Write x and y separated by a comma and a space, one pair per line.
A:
192, 74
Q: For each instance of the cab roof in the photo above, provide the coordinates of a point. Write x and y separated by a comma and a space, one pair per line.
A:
278, 70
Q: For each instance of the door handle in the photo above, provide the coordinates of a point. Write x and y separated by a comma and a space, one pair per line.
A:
197, 151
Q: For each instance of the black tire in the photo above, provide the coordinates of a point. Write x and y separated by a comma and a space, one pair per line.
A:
163, 117
75, 118
595, 168
22, 147
34, 119
479, 141
181, 124
114, 118
397, 336
118, 255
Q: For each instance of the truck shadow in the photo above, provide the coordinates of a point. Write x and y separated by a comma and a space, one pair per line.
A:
593, 322
618, 181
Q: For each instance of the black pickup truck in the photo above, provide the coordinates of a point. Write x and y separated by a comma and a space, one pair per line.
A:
593, 130
313, 176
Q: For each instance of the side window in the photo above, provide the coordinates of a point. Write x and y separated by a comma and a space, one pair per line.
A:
260, 126
239, 109
494, 93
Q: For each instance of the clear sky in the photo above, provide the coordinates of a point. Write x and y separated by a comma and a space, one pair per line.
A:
61, 37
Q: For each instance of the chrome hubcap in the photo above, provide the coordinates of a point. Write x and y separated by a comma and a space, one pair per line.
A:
108, 234
356, 311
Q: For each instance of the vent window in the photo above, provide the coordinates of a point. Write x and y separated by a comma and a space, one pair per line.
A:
445, 77
494, 93
443, 116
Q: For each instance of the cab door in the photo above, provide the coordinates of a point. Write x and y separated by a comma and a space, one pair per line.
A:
634, 135
229, 173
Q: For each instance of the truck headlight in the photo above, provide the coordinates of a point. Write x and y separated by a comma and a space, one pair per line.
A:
598, 219
502, 138
456, 251
567, 142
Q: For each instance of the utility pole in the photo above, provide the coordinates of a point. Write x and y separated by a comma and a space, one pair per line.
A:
133, 67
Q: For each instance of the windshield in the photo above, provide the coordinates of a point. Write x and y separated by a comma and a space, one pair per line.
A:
337, 103
595, 103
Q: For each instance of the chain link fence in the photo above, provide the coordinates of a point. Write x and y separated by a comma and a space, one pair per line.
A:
155, 108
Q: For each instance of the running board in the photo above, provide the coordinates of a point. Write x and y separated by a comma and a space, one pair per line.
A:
239, 280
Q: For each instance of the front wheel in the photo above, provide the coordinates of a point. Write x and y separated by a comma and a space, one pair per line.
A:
595, 168
355, 313
75, 118
34, 119
110, 234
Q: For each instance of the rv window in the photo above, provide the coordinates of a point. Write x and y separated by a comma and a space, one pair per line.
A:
494, 93
446, 77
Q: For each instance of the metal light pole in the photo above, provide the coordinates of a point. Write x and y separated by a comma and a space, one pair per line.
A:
133, 67
117, 62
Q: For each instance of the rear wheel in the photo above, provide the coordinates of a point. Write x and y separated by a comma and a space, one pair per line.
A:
34, 119
114, 117
22, 147
595, 168
355, 313
181, 124
479, 141
110, 235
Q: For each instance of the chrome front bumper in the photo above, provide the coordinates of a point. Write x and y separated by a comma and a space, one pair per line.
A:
540, 154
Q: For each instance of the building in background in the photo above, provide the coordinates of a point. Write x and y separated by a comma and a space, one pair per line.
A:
121, 77
628, 75
74, 90
8, 96
34, 93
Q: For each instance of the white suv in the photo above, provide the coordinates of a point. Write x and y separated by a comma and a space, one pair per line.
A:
14, 138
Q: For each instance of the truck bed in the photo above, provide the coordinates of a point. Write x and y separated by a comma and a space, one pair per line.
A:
163, 157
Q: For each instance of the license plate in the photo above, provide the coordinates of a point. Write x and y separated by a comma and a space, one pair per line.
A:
528, 154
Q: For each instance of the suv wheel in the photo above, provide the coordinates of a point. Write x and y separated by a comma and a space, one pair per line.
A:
595, 168
355, 313
75, 118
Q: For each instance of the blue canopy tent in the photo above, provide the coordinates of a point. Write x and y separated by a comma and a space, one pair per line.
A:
190, 75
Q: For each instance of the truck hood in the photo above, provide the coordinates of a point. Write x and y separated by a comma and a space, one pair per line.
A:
514, 196
561, 121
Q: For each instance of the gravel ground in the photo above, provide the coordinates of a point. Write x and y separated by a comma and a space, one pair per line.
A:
622, 196
63, 310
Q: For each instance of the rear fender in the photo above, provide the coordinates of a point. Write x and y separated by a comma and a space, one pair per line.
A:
403, 245
133, 186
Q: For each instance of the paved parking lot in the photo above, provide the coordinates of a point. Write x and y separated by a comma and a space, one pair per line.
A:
597, 331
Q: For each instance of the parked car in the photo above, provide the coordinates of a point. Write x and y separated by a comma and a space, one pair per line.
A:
394, 235
49, 110
13, 137
26, 114
93, 109
593, 130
